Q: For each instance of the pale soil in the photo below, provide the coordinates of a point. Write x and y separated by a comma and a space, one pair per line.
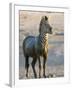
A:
56, 71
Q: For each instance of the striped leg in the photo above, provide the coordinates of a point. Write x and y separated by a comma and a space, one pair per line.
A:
33, 66
26, 65
39, 67
44, 62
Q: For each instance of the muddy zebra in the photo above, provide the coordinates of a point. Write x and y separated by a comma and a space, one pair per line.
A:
37, 47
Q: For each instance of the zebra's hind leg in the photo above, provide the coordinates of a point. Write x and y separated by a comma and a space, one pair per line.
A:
26, 65
39, 67
33, 66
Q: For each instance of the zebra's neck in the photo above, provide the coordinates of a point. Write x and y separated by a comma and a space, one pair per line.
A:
43, 39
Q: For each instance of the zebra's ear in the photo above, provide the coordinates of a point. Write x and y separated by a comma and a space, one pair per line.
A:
46, 18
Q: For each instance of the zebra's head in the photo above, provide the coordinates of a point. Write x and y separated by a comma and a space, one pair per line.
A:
45, 26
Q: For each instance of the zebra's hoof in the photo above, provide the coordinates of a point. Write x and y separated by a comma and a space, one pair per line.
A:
35, 76
44, 76
39, 76
26, 75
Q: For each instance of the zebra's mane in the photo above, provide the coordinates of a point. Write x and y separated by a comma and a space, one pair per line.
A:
43, 21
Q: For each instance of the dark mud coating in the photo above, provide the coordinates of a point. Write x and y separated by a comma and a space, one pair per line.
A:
29, 26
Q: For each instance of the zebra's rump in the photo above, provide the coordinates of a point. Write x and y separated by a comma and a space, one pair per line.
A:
29, 46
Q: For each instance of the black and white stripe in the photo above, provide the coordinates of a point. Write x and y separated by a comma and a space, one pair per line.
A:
43, 40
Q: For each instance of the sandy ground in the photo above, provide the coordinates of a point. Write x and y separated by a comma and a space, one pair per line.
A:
29, 25
56, 71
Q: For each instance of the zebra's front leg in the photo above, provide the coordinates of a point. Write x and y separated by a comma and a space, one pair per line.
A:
33, 66
44, 62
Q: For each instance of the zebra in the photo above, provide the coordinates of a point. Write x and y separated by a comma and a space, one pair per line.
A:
37, 47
